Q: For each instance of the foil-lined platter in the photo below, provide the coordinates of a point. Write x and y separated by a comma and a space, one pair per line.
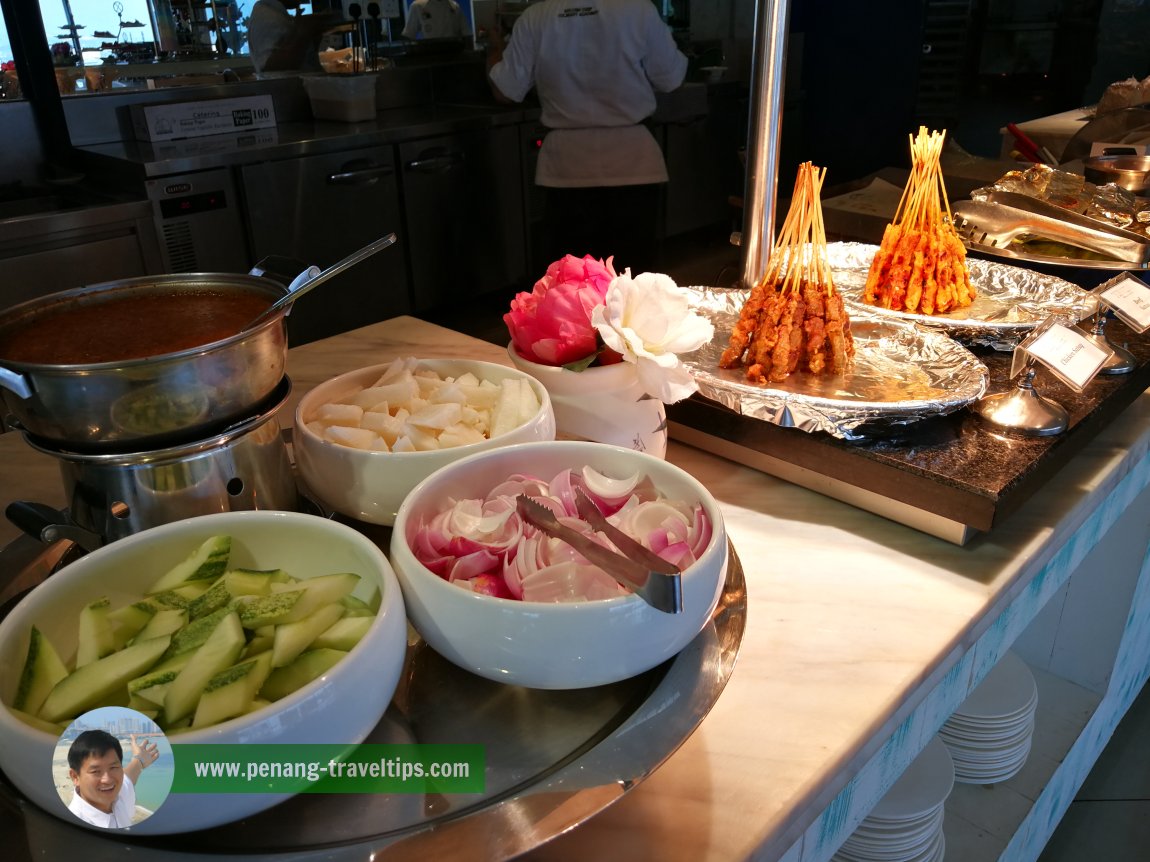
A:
901, 374
1011, 301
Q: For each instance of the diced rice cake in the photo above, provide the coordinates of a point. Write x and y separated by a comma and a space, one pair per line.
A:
399, 367
403, 444
420, 438
451, 393
357, 438
370, 399
386, 426
460, 435
340, 414
481, 396
436, 417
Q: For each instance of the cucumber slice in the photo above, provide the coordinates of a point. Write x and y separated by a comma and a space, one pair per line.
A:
205, 563
141, 704
311, 665
39, 723
169, 599
154, 684
218, 651
95, 635
175, 662
231, 691
344, 633
189, 591
98, 683
163, 622
259, 644
192, 636
247, 582
317, 592
129, 621
43, 668
291, 639
212, 599
354, 607
259, 611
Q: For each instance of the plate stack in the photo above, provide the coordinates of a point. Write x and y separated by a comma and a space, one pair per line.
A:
989, 735
906, 824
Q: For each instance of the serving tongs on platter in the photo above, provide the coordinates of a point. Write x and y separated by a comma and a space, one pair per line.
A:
1002, 217
655, 580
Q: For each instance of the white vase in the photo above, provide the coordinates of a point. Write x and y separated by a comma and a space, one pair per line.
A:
603, 403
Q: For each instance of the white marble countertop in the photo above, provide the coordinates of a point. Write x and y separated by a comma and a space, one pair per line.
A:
851, 621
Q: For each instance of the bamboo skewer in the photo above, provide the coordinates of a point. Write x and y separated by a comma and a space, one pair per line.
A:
784, 325
920, 266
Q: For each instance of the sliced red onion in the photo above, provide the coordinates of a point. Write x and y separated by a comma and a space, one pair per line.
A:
484, 545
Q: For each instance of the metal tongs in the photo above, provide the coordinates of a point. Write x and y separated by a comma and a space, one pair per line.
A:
1004, 216
656, 581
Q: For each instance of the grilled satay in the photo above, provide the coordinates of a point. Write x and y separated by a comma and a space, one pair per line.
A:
794, 320
746, 327
918, 242
839, 338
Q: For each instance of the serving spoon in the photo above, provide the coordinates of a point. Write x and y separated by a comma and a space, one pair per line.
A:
313, 277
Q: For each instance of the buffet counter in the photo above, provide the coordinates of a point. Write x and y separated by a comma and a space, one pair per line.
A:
862, 637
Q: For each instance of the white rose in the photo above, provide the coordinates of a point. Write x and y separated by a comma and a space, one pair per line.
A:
648, 319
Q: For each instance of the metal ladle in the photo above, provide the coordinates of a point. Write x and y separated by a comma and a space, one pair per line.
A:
313, 276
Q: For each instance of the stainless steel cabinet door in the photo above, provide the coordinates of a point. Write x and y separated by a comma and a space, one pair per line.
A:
463, 208
319, 209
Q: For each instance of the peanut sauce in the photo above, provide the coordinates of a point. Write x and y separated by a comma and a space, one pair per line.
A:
132, 326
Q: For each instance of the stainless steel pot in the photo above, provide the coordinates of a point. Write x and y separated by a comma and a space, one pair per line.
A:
245, 467
1130, 172
149, 402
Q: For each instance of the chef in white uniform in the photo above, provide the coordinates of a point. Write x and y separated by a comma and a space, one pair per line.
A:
434, 19
596, 65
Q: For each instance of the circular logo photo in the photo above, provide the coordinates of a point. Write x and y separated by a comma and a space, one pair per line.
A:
113, 767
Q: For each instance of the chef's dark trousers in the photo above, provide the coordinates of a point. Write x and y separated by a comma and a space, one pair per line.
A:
603, 221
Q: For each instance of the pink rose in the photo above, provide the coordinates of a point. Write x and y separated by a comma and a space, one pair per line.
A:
552, 324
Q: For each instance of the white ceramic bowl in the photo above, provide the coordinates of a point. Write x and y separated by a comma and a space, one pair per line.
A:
544, 645
371, 486
342, 706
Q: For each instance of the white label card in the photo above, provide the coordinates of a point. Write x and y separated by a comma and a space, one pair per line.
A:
1131, 298
1069, 353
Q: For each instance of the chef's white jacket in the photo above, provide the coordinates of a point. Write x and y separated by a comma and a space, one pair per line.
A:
596, 65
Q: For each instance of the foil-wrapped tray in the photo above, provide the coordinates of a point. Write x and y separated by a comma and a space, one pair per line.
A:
901, 374
1011, 300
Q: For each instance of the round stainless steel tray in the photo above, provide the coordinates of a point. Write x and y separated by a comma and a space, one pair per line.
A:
554, 759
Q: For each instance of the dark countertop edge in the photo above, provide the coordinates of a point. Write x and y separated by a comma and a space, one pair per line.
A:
290, 140
81, 216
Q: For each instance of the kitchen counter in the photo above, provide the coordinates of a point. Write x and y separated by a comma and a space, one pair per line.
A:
302, 138
862, 636
293, 139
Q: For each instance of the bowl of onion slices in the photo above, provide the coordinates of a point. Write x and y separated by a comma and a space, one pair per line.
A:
495, 595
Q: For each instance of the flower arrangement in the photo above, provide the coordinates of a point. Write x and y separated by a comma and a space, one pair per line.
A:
582, 314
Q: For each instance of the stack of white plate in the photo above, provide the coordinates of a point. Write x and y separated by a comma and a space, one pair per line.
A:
906, 824
989, 735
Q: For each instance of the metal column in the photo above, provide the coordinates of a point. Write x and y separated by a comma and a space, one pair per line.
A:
768, 67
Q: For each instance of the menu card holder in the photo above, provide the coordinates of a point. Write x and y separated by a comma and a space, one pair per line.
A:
1127, 298
1071, 355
